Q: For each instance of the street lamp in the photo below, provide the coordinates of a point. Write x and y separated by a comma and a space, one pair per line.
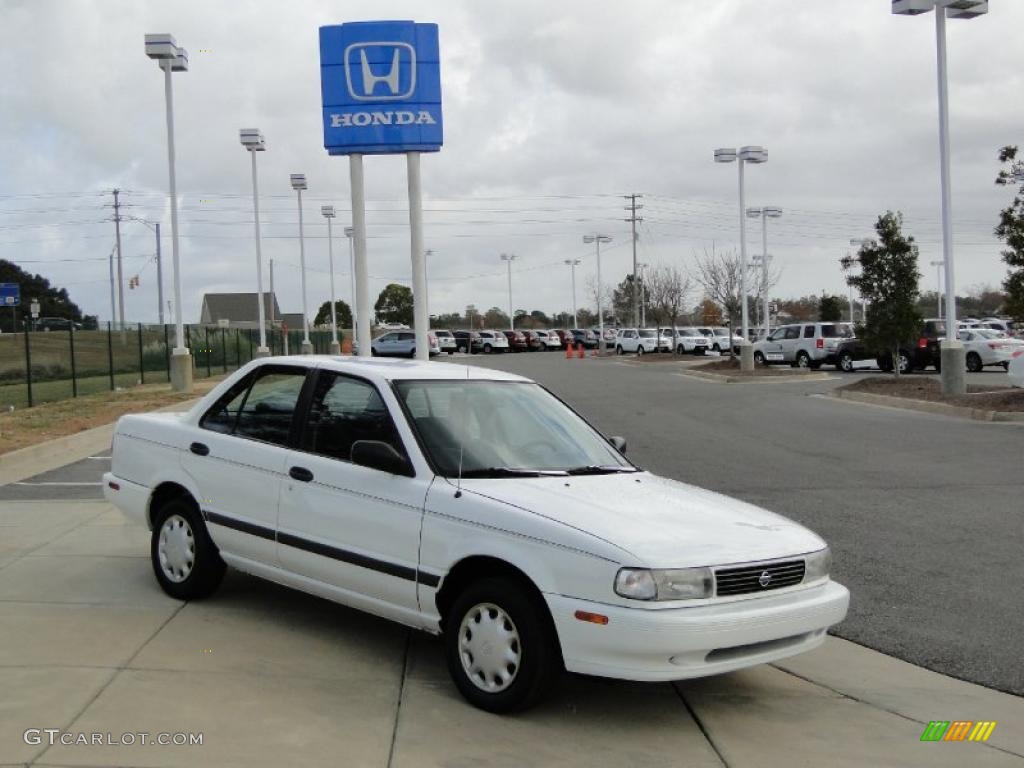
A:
768, 212
299, 184
171, 58
253, 141
573, 263
350, 233
938, 283
951, 350
510, 257
328, 213
748, 154
597, 240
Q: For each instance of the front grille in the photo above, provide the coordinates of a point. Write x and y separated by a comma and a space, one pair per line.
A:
745, 579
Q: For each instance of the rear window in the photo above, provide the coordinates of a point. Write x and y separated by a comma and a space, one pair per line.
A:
444, 334
646, 334
836, 332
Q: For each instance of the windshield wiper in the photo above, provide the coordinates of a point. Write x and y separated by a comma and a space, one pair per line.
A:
511, 472
599, 469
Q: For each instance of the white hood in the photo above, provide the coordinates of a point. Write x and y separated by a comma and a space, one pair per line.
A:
661, 522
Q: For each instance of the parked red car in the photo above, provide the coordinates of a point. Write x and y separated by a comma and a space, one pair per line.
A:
516, 341
534, 342
564, 336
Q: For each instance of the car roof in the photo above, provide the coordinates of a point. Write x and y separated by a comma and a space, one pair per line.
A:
389, 369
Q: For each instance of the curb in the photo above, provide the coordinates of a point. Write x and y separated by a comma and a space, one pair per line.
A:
720, 378
925, 406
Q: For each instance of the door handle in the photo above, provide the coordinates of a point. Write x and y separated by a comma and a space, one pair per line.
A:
199, 449
300, 473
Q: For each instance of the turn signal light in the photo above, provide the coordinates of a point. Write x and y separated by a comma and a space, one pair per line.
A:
593, 618
114, 486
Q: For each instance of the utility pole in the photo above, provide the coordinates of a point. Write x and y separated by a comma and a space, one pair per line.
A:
633, 219
271, 302
120, 279
159, 278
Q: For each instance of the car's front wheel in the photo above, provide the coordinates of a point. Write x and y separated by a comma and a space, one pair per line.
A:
640, 349
759, 358
974, 364
185, 559
500, 646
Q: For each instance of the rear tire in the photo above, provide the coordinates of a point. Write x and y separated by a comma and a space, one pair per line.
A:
640, 350
845, 363
759, 358
500, 646
803, 360
185, 560
618, 350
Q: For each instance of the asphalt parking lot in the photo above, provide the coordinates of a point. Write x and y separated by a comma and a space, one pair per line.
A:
924, 513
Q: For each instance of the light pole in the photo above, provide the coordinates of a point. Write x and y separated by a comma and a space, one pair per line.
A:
350, 233
951, 350
768, 212
253, 141
573, 263
938, 284
328, 213
509, 258
171, 58
299, 184
643, 294
597, 240
748, 154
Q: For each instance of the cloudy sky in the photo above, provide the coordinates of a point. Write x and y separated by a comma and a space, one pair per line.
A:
553, 112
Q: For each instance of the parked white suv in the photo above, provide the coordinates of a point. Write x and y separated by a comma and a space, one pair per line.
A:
494, 341
689, 341
550, 339
806, 345
636, 341
446, 341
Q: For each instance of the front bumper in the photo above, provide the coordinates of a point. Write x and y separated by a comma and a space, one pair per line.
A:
650, 644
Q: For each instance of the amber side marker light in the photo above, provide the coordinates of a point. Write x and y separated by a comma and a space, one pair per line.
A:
593, 618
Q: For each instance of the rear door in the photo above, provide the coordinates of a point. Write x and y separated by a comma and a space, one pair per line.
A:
237, 459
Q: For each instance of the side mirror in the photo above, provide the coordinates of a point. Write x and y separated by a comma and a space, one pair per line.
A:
377, 454
618, 443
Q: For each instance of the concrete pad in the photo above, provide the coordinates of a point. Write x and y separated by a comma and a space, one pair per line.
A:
588, 722
48, 514
42, 698
764, 717
103, 539
914, 692
114, 516
41, 634
332, 643
246, 720
100, 580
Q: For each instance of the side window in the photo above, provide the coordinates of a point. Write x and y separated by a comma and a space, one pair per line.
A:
268, 409
343, 411
224, 413
792, 331
808, 331
777, 334
406, 336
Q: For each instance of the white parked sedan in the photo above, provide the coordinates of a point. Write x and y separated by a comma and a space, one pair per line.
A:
473, 504
984, 346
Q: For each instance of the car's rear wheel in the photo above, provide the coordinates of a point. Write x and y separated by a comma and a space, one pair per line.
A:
500, 646
185, 559
759, 358
618, 349
640, 349
904, 361
488, 349
974, 364
803, 360
680, 350
845, 363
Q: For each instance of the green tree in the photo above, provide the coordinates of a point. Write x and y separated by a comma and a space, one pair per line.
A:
342, 313
447, 320
53, 302
1011, 231
830, 309
889, 282
495, 318
394, 304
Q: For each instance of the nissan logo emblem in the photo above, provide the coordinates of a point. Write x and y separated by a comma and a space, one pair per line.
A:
764, 579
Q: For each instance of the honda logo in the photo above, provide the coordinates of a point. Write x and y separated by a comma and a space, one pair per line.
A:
391, 65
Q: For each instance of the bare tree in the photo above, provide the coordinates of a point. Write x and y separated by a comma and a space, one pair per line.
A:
667, 289
718, 273
607, 295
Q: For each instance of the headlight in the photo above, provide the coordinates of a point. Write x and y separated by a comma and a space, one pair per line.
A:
817, 565
664, 584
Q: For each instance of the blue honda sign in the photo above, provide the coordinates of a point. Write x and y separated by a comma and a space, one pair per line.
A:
10, 294
381, 87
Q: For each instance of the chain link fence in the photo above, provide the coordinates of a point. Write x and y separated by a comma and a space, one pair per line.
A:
45, 366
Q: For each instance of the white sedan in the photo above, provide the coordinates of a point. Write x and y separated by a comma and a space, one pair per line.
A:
983, 346
473, 504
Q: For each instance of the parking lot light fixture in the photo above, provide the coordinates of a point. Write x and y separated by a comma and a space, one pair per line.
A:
328, 213
952, 351
573, 263
163, 49
509, 258
768, 212
747, 154
597, 239
298, 184
254, 142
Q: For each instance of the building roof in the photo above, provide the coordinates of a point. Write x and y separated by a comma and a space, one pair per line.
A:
238, 307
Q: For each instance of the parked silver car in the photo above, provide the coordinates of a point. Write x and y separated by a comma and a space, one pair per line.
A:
806, 345
401, 344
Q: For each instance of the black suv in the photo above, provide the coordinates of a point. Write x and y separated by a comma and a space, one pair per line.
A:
916, 354
468, 341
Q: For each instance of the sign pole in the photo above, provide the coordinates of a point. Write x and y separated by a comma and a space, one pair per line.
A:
355, 170
419, 269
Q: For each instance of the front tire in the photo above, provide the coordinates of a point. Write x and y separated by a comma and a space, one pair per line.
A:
185, 560
759, 358
640, 350
500, 646
974, 364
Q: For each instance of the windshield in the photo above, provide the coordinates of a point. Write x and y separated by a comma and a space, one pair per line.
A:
502, 429
840, 331
647, 334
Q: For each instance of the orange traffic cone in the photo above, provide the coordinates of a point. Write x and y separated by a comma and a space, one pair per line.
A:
580, 351
568, 351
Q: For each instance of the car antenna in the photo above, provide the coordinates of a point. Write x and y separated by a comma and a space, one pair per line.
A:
458, 483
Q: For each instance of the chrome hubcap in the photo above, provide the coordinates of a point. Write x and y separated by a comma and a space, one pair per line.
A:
176, 548
489, 647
